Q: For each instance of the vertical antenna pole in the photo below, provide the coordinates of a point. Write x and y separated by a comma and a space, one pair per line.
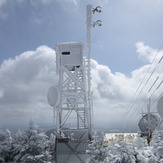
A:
149, 121
89, 21
54, 124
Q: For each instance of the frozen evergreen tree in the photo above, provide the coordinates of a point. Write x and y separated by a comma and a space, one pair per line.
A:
31, 145
122, 152
97, 149
5, 145
52, 145
139, 142
28, 146
157, 143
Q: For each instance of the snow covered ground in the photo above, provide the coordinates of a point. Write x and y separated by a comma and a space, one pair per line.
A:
134, 151
33, 145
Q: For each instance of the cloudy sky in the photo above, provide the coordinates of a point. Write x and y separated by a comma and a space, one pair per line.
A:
126, 50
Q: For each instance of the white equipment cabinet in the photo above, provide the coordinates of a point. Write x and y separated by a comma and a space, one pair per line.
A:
69, 54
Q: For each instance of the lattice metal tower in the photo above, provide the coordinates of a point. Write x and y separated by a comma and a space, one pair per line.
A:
71, 98
71, 103
73, 112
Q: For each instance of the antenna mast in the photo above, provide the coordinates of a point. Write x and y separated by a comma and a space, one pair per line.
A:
90, 24
89, 21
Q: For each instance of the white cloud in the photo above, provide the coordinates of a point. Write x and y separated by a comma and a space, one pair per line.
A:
20, 3
26, 79
47, 2
44, 2
3, 15
69, 5
108, 85
113, 92
75, 2
145, 52
153, 58
1, 94
2, 2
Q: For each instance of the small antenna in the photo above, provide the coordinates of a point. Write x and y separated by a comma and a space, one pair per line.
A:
97, 23
97, 9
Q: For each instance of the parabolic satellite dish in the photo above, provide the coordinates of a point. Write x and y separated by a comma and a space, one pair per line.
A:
160, 106
145, 126
54, 95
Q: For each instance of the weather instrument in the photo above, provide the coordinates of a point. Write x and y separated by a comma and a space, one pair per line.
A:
160, 106
97, 23
148, 126
97, 9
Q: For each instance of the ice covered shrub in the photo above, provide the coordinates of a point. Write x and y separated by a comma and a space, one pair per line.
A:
121, 153
157, 143
5, 145
97, 149
31, 145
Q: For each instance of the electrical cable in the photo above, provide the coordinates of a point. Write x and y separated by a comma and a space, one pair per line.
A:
133, 116
132, 100
145, 82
